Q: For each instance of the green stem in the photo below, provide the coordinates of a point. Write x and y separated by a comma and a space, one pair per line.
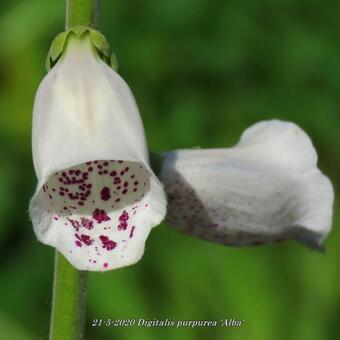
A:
82, 12
70, 285
69, 301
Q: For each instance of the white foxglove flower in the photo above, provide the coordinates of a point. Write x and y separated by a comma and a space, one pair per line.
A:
97, 197
267, 188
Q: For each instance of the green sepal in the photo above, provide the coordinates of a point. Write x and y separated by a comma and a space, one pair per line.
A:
98, 40
56, 49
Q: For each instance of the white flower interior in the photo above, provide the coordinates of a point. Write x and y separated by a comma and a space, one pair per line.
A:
97, 210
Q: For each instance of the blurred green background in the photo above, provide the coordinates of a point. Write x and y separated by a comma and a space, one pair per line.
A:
202, 71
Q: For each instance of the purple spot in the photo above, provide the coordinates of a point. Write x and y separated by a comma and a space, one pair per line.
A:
86, 239
100, 215
122, 226
107, 243
105, 194
131, 231
123, 218
86, 223
75, 224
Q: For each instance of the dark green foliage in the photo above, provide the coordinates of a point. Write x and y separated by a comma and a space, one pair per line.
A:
201, 71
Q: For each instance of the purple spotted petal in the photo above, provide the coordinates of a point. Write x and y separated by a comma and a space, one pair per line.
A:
97, 211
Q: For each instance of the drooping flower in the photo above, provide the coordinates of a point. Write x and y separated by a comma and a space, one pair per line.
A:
267, 188
97, 197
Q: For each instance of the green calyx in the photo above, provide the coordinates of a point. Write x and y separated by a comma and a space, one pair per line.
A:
98, 40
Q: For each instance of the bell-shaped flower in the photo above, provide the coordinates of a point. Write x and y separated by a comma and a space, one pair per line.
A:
267, 188
97, 197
